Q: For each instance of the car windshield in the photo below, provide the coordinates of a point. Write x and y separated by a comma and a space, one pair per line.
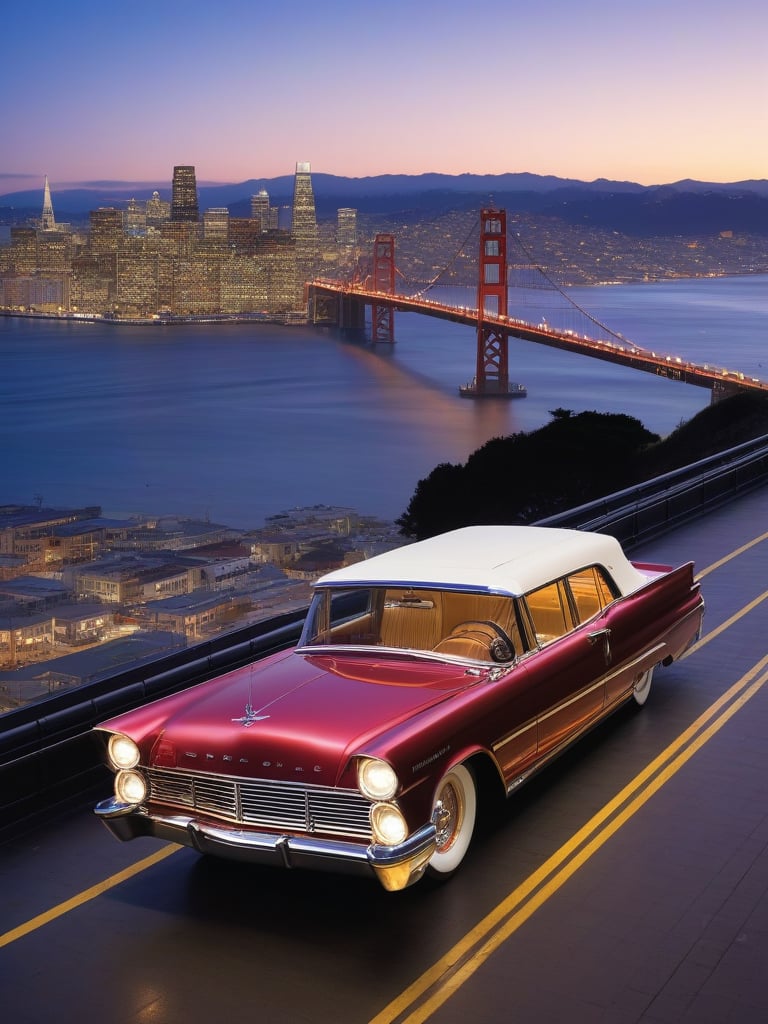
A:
461, 624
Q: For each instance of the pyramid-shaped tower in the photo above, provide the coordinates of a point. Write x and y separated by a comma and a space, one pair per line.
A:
47, 220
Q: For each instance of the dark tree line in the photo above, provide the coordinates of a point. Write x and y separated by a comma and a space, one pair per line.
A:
573, 459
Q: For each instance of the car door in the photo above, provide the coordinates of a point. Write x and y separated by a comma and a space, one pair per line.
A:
569, 667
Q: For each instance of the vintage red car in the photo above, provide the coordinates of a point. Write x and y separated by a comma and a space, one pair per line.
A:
471, 659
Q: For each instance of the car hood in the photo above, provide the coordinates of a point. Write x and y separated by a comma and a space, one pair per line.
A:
292, 716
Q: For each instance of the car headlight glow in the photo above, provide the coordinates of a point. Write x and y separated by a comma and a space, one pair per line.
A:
123, 752
130, 787
389, 827
376, 779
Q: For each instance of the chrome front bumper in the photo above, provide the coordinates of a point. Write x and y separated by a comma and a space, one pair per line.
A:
396, 867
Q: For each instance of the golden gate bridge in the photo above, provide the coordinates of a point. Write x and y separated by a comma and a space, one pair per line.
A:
343, 304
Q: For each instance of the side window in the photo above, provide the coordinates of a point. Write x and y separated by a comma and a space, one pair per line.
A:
591, 591
549, 612
608, 589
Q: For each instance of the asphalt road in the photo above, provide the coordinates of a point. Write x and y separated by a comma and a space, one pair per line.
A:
626, 883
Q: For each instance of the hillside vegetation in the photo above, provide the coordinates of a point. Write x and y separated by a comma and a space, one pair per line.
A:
573, 459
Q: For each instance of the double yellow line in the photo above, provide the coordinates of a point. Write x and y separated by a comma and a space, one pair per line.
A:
428, 993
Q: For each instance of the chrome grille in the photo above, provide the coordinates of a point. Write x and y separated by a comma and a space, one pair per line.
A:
284, 806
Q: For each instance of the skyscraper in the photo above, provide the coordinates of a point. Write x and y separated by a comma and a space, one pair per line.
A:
158, 211
184, 198
260, 209
304, 222
216, 224
47, 221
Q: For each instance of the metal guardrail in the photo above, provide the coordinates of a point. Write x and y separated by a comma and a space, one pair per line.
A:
639, 513
49, 755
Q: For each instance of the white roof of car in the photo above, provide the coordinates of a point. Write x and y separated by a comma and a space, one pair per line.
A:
499, 559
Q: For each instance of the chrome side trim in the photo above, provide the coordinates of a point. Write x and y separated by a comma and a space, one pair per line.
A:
575, 699
499, 745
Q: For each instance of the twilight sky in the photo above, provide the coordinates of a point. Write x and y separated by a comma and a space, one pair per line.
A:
651, 92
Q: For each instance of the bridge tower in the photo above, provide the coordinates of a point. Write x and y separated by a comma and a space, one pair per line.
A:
492, 363
383, 317
492, 366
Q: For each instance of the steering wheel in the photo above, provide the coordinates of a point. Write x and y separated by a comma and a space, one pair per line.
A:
500, 646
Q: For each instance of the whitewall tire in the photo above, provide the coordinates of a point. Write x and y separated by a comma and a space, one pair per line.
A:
454, 813
642, 687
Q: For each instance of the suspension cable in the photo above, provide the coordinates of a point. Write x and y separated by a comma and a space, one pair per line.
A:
553, 284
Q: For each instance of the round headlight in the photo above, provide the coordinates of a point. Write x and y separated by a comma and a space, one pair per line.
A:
123, 752
388, 824
376, 779
130, 787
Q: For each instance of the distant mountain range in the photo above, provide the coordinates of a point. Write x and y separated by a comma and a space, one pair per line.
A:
682, 208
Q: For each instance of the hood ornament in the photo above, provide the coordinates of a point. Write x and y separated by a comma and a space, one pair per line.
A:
250, 715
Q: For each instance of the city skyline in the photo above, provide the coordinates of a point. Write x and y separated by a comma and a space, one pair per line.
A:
585, 91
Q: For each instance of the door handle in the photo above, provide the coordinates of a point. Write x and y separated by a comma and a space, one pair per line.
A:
605, 636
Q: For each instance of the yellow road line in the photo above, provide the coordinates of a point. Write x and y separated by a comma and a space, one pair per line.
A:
733, 554
436, 985
86, 895
724, 625
747, 608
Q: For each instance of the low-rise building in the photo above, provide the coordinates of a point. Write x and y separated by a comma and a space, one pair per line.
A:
130, 580
82, 623
35, 682
34, 593
25, 638
196, 614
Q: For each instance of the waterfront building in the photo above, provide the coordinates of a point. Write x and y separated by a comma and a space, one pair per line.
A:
184, 206
93, 282
24, 529
137, 282
196, 286
35, 292
142, 261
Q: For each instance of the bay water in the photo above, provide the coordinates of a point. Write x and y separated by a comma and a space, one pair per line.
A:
237, 421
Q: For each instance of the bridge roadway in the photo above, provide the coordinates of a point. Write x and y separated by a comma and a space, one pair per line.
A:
627, 883
720, 380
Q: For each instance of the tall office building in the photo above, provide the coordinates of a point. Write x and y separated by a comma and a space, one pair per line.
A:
346, 227
135, 218
47, 221
106, 229
184, 199
304, 222
158, 211
216, 224
260, 209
